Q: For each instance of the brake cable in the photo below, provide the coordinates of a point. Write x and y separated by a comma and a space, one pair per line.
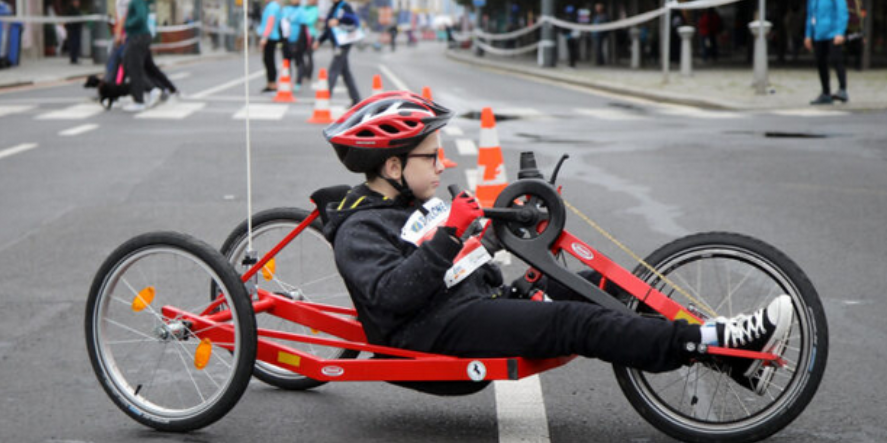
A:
637, 258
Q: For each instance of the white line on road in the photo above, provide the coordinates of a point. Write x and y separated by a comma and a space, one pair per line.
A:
179, 75
611, 114
173, 111
262, 112
471, 178
520, 409
809, 113
453, 131
226, 85
689, 111
466, 146
18, 149
397, 82
76, 112
14, 109
77, 130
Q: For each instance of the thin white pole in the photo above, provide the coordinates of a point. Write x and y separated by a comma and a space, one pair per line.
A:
249, 178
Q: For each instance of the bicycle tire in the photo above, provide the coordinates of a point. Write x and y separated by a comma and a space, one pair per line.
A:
684, 416
308, 254
141, 357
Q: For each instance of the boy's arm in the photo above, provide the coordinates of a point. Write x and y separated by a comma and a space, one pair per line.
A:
368, 259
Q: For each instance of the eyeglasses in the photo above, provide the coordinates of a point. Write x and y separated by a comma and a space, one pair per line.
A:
432, 156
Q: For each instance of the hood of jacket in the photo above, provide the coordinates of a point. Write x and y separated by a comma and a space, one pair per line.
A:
359, 198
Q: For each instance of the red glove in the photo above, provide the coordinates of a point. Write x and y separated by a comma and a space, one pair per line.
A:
463, 211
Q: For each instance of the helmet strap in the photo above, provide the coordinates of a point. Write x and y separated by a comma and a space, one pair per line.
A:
406, 194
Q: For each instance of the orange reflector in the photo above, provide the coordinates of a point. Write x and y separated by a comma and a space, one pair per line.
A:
203, 353
143, 299
268, 270
315, 331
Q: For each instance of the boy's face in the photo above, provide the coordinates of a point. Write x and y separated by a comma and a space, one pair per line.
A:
422, 171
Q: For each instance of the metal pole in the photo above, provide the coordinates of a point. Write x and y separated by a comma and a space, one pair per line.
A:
478, 25
761, 80
547, 46
665, 38
867, 37
102, 43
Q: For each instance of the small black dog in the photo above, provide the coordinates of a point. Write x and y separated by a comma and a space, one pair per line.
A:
108, 93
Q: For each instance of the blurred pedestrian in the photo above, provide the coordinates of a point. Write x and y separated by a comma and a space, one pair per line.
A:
290, 25
308, 30
392, 31
74, 31
825, 35
709, 28
138, 47
599, 37
855, 32
342, 29
269, 30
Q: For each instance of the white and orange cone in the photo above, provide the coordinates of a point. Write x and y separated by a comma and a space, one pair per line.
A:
441, 157
491, 178
322, 113
284, 85
377, 84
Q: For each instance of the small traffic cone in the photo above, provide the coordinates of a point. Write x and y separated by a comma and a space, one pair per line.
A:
491, 178
284, 85
377, 84
447, 163
322, 113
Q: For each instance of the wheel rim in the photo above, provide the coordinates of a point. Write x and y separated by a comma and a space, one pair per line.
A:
148, 360
734, 281
304, 270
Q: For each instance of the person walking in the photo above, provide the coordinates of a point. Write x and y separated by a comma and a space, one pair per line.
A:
709, 29
599, 37
138, 47
74, 30
290, 35
269, 30
825, 36
342, 27
308, 31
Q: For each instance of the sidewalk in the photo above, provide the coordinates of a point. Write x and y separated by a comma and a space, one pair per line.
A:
58, 69
716, 88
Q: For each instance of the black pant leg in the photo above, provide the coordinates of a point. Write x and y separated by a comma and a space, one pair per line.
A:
836, 53
507, 327
134, 60
336, 65
353, 92
153, 72
270, 61
821, 50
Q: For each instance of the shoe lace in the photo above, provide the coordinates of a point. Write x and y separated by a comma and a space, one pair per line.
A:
744, 328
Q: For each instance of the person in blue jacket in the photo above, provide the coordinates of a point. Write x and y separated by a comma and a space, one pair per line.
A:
269, 32
825, 35
290, 27
308, 32
340, 20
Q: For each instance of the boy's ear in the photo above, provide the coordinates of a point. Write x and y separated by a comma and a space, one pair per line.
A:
393, 168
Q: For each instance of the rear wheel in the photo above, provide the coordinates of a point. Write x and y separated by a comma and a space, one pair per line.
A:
160, 368
729, 274
303, 270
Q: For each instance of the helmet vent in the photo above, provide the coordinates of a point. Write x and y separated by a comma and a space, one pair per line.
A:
411, 123
389, 129
366, 133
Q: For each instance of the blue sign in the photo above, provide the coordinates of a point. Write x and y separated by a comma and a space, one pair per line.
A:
480, 3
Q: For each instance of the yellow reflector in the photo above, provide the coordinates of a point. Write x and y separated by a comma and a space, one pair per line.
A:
315, 331
290, 359
684, 315
268, 270
143, 299
203, 353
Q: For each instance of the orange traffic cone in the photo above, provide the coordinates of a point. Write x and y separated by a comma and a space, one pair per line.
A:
284, 85
377, 84
441, 157
322, 113
491, 179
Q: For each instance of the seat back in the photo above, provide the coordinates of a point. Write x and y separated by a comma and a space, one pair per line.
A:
324, 196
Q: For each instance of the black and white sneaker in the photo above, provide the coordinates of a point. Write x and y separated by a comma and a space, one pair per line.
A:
765, 330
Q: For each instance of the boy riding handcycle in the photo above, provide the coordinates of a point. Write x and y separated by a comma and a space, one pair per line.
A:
432, 310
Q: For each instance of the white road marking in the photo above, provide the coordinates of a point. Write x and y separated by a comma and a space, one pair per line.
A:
519, 112
453, 131
226, 85
262, 112
611, 114
397, 82
173, 111
14, 109
18, 149
77, 130
520, 409
802, 112
471, 179
466, 146
689, 111
76, 112
179, 75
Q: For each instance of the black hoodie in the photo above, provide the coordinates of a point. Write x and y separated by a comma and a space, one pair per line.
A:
397, 288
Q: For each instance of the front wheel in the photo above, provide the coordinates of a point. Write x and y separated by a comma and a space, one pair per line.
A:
146, 348
729, 274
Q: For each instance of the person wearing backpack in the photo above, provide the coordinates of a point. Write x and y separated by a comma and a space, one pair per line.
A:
269, 30
341, 23
825, 35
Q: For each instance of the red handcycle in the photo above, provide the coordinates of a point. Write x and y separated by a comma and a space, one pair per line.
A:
174, 332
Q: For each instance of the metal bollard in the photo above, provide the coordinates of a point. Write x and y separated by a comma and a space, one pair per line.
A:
635, 34
686, 33
761, 81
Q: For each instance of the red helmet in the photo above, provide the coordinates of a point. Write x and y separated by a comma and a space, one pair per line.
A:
382, 126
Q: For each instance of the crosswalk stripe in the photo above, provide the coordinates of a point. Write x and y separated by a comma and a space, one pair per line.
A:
17, 149
76, 112
520, 411
808, 113
688, 111
453, 131
179, 75
466, 146
610, 114
262, 112
77, 130
14, 109
471, 178
174, 111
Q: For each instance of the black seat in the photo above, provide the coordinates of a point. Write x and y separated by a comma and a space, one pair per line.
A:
324, 196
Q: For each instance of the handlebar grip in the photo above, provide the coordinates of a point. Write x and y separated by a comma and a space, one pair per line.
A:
454, 190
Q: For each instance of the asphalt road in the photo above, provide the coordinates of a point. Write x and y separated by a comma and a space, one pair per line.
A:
647, 172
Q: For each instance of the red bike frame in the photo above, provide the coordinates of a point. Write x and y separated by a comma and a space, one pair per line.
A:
406, 365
